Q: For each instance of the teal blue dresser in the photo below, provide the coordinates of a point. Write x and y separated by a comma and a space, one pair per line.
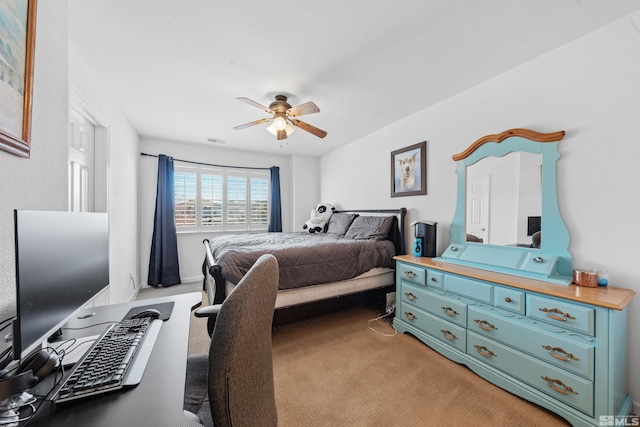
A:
561, 347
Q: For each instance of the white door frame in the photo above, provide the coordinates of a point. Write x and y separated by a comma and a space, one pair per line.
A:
102, 165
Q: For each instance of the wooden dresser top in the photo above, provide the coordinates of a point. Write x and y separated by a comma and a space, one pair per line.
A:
603, 296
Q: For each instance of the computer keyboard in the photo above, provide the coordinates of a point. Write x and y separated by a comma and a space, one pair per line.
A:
105, 367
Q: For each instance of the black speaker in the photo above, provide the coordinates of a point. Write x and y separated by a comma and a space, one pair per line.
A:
427, 232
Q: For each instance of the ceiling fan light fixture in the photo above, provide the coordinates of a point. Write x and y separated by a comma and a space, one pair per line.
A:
284, 120
287, 128
280, 123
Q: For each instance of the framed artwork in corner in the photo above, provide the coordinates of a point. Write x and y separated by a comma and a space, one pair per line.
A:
409, 170
17, 44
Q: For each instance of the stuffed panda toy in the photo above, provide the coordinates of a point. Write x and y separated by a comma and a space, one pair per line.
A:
319, 221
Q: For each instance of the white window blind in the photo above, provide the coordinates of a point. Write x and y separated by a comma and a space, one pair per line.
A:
185, 199
212, 200
218, 199
259, 201
236, 200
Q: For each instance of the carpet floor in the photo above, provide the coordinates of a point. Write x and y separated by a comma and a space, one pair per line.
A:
335, 371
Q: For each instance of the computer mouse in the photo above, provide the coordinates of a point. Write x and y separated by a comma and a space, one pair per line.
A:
147, 312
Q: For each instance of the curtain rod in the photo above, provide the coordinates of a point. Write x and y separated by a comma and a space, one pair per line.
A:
207, 164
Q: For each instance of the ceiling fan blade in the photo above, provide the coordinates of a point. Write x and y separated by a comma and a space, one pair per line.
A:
255, 104
311, 129
282, 134
256, 122
302, 109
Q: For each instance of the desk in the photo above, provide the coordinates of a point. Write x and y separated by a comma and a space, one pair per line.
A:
157, 400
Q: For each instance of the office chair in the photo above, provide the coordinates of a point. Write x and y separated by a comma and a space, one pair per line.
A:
233, 385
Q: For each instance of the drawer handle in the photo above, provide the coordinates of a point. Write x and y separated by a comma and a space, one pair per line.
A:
507, 299
434, 280
449, 311
410, 274
448, 335
552, 351
551, 382
553, 313
410, 315
484, 325
484, 351
410, 296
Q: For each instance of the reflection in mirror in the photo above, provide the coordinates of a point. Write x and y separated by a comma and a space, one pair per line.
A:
504, 200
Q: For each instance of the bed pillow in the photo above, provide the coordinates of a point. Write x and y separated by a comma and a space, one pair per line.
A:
370, 227
339, 223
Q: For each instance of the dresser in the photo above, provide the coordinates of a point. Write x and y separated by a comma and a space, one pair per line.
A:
561, 347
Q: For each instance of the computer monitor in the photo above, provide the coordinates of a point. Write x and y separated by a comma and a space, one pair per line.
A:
533, 224
62, 263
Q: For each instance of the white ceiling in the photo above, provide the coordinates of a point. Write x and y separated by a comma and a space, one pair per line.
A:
175, 67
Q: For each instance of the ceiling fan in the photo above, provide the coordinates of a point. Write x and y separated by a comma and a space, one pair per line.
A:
284, 116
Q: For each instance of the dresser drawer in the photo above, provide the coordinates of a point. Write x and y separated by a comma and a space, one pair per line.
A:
561, 313
509, 299
469, 288
411, 273
435, 279
575, 355
445, 307
442, 330
551, 380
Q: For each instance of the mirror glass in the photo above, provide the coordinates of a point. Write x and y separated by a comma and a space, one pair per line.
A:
504, 200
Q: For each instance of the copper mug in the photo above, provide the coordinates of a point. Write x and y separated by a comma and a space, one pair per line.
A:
586, 278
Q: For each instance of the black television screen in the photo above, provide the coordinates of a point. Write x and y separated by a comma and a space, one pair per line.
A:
533, 224
62, 262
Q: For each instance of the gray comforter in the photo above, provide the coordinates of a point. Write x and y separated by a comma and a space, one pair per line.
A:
304, 258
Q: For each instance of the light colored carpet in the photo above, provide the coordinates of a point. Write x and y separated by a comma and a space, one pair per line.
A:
334, 371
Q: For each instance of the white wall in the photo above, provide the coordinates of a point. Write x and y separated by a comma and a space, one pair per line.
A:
591, 89
299, 172
39, 182
305, 188
122, 179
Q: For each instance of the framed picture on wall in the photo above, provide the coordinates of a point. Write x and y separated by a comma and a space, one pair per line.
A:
409, 170
17, 33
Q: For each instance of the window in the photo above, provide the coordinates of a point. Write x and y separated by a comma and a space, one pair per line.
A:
218, 199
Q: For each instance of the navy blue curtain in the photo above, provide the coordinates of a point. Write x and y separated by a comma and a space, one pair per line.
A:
275, 210
163, 261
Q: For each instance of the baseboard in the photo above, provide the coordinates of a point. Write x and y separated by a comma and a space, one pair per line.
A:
191, 279
135, 293
182, 280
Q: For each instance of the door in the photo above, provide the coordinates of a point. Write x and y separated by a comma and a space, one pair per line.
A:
478, 207
88, 166
81, 163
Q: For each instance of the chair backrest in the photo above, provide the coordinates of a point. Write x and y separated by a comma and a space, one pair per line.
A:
241, 388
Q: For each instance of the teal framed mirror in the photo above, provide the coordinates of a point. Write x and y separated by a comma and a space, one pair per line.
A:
539, 253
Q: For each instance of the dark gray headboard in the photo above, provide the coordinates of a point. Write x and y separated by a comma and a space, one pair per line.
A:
397, 233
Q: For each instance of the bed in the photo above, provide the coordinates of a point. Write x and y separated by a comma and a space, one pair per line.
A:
354, 256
